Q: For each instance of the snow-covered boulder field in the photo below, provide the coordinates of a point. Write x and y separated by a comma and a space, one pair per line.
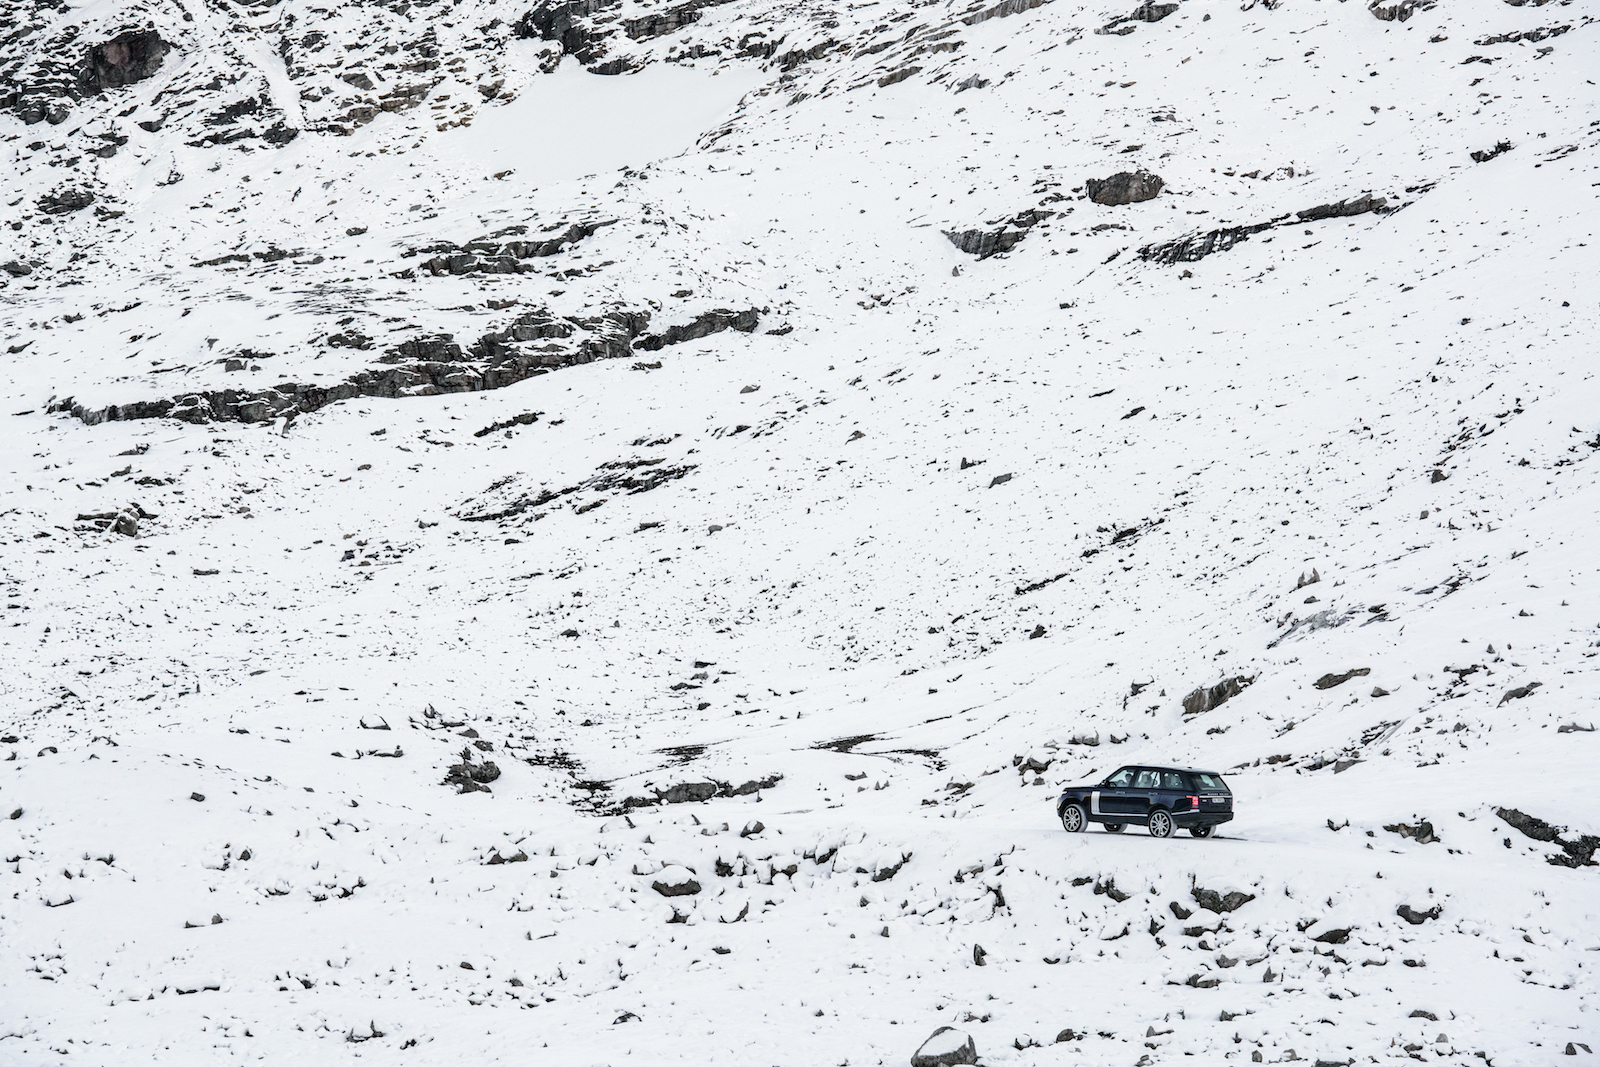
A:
592, 531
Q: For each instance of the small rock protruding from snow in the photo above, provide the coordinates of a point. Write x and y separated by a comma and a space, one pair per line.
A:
944, 1047
676, 881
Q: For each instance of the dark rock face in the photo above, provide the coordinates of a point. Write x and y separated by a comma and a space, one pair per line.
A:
1358, 205
1398, 12
126, 58
1219, 903
495, 254
1204, 699
429, 365
702, 326
1198, 246
1578, 853
1328, 681
1125, 187
66, 201
1483, 155
469, 777
1152, 11
986, 243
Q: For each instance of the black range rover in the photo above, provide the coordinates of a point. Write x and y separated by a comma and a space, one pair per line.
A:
1159, 798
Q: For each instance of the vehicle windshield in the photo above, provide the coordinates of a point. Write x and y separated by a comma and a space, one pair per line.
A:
1210, 781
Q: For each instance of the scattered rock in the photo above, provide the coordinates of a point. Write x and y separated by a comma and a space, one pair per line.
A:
999, 479
1125, 187
197, 796
1328, 681
126, 524
946, 1047
16, 268
1336, 936
978, 954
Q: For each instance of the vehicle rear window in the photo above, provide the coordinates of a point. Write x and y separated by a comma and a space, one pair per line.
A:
1210, 781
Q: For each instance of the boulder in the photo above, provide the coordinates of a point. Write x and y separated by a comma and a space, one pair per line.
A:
1125, 187
1220, 903
126, 58
944, 1047
675, 881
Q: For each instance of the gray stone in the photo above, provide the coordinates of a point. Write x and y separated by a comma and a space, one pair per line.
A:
945, 1047
1124, 187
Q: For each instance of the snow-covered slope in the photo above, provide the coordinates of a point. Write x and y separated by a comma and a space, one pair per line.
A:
718, 473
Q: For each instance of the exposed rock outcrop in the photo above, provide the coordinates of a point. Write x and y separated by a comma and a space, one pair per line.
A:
1197, 246
1124, 187
535, 343
1356, 205
1204, 699
126, 58
988, 242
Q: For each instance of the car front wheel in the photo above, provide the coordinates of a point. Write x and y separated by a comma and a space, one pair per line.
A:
1072, 819
1160, 824
1202, 831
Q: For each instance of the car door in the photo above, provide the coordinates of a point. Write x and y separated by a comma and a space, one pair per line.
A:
1145, 794
1112, 798
1174, 791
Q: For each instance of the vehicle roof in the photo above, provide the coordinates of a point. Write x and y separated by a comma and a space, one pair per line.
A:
1165, 767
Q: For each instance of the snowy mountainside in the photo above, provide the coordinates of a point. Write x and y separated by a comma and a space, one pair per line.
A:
596, 532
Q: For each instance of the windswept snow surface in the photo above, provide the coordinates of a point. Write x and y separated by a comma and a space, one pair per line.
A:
781, 638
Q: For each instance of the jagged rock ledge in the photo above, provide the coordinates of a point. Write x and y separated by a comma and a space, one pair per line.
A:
491, 255
1196, 246
535, 343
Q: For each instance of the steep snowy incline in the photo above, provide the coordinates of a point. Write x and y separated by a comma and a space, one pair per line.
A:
603, 542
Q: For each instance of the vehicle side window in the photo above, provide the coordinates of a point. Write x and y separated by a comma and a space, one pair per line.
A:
1211, 781
1148, 780
1173, 780
1121, 779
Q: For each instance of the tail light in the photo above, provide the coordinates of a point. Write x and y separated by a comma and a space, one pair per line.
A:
1194, 803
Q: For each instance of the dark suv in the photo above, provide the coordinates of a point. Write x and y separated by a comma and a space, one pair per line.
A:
1161, 798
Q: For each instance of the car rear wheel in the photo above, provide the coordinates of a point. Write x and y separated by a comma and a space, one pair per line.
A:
1202, 831
1115, 827
1073, 819
1160, 824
